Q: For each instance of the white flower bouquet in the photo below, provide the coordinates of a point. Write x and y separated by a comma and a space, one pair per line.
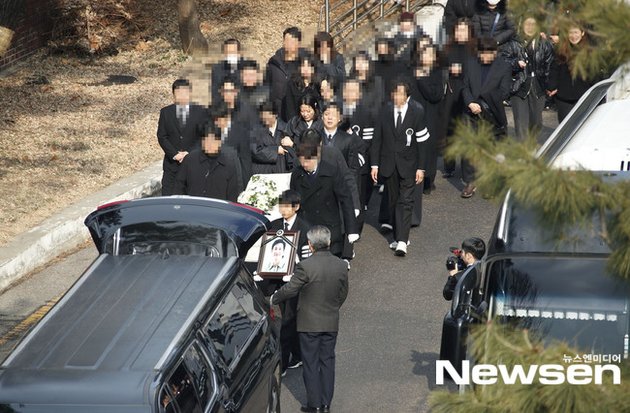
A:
262, 192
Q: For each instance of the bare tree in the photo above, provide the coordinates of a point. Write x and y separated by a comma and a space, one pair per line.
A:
193, 41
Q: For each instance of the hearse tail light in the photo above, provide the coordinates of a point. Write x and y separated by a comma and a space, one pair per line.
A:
251, 208
109, 204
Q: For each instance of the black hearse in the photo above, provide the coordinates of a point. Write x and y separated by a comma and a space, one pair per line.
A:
167, 319
560, 290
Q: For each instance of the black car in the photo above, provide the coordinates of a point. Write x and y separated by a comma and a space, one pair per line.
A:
560, 290
166, 319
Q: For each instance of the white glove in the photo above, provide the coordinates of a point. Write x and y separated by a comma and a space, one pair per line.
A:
361, 160
352, 238
357, 212
258, 278
287, 278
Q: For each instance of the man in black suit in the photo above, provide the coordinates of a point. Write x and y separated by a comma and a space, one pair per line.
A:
322, 285
487, 83
177, 132
399, 154
207, 172
229, 66
326, 198
348, 144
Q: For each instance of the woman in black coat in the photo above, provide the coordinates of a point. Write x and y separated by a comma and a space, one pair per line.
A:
372, 89
566, 89
457, 52
330, 62
308, 118
428, 90
301, 83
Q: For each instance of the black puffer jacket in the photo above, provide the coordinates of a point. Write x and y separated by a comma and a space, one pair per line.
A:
484, 20
539, 63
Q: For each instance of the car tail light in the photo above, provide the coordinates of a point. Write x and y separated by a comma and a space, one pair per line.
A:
109, 204
251, 208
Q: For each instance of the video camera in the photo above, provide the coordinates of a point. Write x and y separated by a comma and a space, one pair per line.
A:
455, 261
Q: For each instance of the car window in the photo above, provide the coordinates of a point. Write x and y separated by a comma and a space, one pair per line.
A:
173, 238
233, 321
178, 394
190, 387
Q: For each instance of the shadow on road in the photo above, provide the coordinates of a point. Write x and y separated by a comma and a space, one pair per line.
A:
425, 366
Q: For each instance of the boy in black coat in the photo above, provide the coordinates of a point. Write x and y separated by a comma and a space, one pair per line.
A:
289, 205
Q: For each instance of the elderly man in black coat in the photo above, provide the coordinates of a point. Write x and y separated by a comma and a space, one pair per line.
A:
321, 282
207, 172
326, 197
177, 132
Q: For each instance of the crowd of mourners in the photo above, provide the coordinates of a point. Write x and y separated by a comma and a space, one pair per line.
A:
345, 125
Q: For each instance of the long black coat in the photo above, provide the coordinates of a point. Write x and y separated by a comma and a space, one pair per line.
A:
429, 91
173, 138
326, 200
265, 157
404, 148
211, 177
493, 91
239, 138
277, 76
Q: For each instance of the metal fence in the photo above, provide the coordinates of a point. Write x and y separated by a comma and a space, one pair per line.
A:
342, 17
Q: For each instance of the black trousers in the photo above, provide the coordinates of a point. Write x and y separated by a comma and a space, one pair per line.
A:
318, 370
289, 341
401, 200
168, 181
563, 108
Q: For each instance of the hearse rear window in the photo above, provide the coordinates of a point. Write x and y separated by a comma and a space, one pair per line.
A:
233, 322
571, 299
173, 238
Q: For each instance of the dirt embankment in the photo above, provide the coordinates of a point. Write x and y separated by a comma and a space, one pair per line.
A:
66, 132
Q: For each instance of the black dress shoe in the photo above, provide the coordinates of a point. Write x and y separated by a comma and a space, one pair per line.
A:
325, 408
309, 409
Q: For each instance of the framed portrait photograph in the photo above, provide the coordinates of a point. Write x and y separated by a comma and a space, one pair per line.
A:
277, 253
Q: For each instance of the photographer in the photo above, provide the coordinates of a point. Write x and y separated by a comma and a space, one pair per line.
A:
473, 249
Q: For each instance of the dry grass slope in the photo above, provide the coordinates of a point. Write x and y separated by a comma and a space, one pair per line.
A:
70, 137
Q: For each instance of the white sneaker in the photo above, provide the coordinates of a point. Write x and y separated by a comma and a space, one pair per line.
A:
401, 249
394, 244
386, 227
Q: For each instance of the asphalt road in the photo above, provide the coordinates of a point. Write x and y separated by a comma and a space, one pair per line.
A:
391, 323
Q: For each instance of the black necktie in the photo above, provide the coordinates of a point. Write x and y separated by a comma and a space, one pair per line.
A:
286, 226
399, 119
330, 138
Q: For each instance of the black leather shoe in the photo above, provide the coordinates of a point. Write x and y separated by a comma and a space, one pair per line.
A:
309, 409
325, 408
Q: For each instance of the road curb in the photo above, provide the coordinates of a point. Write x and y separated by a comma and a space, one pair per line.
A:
65, 230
